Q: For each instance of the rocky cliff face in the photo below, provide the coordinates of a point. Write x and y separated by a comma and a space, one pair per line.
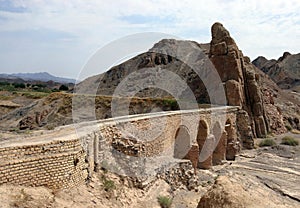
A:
241, 84
285, 71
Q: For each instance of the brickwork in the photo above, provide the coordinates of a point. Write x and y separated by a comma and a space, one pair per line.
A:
141, 147
219, 153
57, 164
193, 155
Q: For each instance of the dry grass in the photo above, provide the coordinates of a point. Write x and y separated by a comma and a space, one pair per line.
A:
295, 131
267, 143
164, 201
6, 97
287, 140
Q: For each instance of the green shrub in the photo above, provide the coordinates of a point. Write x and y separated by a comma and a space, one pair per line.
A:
109, 185
4, 83
164, 201
287, 140
35, 95
267, 143
39, 86
64, 88
15, 129
19, 85
171, 103
9, 88
55, 90
288, 127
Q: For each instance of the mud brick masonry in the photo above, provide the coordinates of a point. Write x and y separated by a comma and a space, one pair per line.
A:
67, 156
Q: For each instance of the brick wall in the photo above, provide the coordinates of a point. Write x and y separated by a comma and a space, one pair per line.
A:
57, 164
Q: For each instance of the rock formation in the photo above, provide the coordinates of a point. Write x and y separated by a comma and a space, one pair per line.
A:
224, 193
282, 107
155, 58
30, 122
241, 84
285, 71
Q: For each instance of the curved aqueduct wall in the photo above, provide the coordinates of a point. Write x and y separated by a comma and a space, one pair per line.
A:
67, 156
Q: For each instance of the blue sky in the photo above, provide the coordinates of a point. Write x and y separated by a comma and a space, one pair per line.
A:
59, 36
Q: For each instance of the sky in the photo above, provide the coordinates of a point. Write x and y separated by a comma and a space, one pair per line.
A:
60, 36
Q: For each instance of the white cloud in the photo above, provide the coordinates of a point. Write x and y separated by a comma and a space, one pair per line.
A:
260, 27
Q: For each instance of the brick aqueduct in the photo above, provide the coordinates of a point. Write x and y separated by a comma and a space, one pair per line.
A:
68, 156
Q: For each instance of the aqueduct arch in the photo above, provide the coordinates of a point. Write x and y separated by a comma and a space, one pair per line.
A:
182, 143
184, 148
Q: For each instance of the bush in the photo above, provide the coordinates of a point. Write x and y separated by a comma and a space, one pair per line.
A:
267, 143
19, 85
288, 127
109, 185
64, 88
55, 90
34, 95
4, 83
39, 85
171, 103
164, 201
8, 87
287, 140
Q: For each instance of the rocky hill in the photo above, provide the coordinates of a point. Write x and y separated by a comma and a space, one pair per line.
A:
285, 71
156, 58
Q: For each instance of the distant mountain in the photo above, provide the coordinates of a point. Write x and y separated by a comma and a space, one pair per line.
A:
285, 71
41, 76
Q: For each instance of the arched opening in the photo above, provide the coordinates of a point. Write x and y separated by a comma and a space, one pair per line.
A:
182, 142
183, 149
219, 153
231, 148
204, 143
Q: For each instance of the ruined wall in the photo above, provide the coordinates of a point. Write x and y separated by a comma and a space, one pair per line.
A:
56, 164
117, 148
142, 147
